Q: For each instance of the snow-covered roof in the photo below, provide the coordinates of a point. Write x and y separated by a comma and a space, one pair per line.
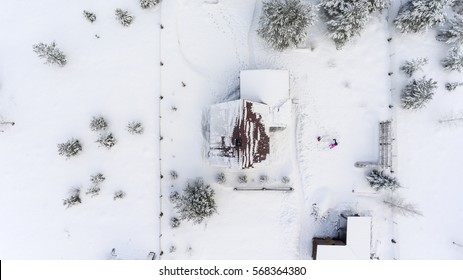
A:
239, 134
266, 86
357, 243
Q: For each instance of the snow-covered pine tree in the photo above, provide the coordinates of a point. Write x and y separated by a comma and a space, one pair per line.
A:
70, 148
402, 207
420, 15
51, 53
347, 18
452, 86
73, 199
417, 93
119, 195
98, 123
123, 16
96, 180
90, 16
145, 4
454, 60
135, 128
410, 67
107, 140
457, 7
380, 181
284, 23
453, 32
197, 202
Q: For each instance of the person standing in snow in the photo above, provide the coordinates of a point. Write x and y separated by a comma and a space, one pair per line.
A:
333, 144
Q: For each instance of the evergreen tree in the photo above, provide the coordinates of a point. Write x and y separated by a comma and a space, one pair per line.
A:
457, 7
90, 16
145, 4
174, 222
98, 123
51, 53
107, 140
345, 19
197, 202
135, 128
453, 32
70, 148
454, 60
380, 181
74, 199
420, 15
119, 195
95, 188
123, 16
284, 23
414, 65
417, 93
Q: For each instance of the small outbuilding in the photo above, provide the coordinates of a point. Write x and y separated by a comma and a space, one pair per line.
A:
356, 245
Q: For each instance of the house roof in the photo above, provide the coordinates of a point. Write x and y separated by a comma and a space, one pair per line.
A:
239, 134
264, 85
357, 243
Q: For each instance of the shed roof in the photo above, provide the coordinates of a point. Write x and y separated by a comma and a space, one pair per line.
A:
357, 243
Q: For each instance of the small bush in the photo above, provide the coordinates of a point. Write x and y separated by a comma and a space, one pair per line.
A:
50, 53
174, 197
242, 179
173, 174
452, 86
70, 148
107, 140
174, 222
90, 16
263, 179
123, 16
285, 180
145, 4
454, 60
97, 179
220, 178
74, 199
119, 195
98, 123
135, 128
172, 249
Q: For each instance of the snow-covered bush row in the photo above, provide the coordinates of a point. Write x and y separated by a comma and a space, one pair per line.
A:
284, 23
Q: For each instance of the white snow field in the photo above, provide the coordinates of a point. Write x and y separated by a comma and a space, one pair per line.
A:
115, 76
166, 69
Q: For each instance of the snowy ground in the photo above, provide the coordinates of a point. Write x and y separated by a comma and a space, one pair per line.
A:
202, 46
116, 76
